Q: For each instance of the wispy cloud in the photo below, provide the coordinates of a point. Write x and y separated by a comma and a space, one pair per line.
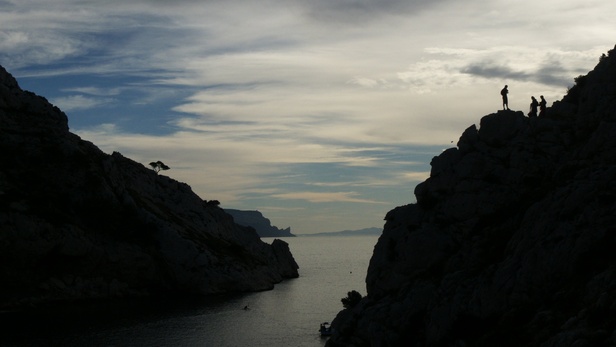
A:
96, 91
317, 197
78, 102
493, 70
416, 176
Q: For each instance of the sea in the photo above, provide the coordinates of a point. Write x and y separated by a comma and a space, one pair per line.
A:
288, 315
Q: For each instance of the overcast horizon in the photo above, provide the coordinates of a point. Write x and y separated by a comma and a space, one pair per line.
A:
323, 115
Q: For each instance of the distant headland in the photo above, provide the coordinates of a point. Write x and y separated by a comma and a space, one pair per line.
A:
256, 220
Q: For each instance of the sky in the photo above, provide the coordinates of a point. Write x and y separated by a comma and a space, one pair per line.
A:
321, 114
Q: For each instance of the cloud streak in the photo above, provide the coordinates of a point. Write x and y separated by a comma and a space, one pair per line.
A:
316, 197
79, 102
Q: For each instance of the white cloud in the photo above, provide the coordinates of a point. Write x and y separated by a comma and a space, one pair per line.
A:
96, 91
9, 40
78, 102
417, 176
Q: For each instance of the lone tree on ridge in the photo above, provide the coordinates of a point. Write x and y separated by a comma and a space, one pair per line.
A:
159, 165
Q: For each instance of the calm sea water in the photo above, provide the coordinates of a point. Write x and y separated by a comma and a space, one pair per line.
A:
289, 315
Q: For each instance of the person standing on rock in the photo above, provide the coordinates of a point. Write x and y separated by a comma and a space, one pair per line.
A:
504, 93
542, 106
533, 107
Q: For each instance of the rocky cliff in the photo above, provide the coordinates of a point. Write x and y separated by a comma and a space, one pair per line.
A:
259, 223
76, 223
512, 241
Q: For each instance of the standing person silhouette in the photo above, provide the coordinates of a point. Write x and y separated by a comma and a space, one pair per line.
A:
542, 106
504, 93
533, 107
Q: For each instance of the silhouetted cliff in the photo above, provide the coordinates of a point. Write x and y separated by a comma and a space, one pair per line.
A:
76, 223
259, 223
512, 241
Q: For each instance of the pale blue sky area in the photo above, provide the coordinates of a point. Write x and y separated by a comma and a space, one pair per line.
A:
323, 115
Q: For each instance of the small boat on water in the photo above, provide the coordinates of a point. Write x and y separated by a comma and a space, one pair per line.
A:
325, 329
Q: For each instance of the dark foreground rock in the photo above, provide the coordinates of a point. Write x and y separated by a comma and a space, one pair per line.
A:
512, 241
76, 223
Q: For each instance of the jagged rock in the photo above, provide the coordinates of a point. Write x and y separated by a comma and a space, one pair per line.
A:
288, 267
511, 241
76, 223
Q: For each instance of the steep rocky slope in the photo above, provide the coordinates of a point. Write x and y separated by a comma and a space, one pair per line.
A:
512, 241
76, 223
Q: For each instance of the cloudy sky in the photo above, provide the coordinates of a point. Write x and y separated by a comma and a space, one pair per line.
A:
322, 114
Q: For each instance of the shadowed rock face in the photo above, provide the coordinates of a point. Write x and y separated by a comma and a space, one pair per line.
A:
76, 223
512, 241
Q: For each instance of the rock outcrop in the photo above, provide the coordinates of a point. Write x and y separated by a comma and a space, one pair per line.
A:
512, 241
76, 223
259, 223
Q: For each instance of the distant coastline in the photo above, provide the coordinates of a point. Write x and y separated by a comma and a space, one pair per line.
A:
360, 232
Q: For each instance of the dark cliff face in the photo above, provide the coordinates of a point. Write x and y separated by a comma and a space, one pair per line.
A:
512, 241
76, 223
